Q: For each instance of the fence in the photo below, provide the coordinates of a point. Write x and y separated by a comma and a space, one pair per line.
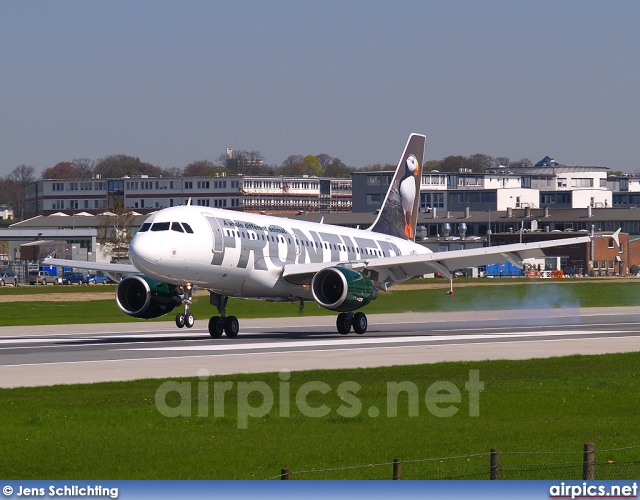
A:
21, 269
494, 465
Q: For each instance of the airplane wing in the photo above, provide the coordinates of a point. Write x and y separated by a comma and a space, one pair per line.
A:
388, 271
94, 266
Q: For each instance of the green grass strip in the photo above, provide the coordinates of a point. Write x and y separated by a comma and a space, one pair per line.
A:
115, 430
527, 295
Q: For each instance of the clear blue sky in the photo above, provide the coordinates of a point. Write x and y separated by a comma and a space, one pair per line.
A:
176, 81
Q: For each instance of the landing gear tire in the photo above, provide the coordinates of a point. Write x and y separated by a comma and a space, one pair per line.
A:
180, 320
360, 323
189, 320
216, 327
343, 323
231, 326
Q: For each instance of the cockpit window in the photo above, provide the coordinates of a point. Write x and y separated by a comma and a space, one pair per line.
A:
175, 226
160, 226
187, 227
144, 227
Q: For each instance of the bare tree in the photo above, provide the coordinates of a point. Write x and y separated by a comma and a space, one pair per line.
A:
293, 160
84, 167
325, 159
114, 231
480, 162
15, 184
121, 165
501, 161
172, 172
23, 174
337, 169
525, 162
197, 168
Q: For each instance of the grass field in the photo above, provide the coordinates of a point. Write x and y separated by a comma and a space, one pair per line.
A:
114, 430
514, 294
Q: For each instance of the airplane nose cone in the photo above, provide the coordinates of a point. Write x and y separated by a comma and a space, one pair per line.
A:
142, 254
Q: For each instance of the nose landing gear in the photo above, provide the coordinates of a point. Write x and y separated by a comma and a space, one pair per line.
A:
186, 318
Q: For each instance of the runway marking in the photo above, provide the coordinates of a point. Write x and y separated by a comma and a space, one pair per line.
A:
126, 338
142, 334
368, 341
92, 361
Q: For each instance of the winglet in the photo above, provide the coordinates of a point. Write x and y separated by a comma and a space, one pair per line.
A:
616, 237
399, 213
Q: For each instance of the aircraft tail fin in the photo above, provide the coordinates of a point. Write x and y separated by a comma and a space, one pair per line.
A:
399, 213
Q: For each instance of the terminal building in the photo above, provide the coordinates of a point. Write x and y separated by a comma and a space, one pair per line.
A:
496, 190
145, 194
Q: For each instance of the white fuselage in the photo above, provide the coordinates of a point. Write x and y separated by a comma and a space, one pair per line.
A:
243, 255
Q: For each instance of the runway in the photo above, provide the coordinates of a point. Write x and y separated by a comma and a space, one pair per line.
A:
37, 355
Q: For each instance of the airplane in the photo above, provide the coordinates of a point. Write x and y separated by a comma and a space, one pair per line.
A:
243, 255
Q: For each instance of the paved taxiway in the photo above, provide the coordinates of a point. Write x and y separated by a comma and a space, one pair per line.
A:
31, 356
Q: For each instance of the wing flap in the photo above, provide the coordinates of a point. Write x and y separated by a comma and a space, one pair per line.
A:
388, 271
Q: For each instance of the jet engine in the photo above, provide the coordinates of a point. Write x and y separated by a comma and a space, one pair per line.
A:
143, 297
341, 289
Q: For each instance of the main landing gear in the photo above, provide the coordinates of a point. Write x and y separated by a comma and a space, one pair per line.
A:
217, 324
347, 320
223, 323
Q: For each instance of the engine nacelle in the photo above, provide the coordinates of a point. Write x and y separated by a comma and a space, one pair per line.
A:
143, 297
341, 289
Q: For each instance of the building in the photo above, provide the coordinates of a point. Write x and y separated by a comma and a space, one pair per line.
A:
495, 190
144, 194
6, 212
626, 190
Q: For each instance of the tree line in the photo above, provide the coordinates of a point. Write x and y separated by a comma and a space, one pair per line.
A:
238, 162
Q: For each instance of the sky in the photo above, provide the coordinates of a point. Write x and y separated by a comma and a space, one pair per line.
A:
172, 82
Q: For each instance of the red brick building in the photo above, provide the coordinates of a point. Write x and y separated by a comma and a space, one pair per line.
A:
601, 257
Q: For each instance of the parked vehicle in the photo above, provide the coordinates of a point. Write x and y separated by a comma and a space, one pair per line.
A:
70, 278
8, 278
571, 271
42, 278
98, 279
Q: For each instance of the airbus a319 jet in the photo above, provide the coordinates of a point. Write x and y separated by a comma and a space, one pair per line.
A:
253, 256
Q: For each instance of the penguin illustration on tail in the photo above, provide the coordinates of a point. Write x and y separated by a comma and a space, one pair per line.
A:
399, 213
